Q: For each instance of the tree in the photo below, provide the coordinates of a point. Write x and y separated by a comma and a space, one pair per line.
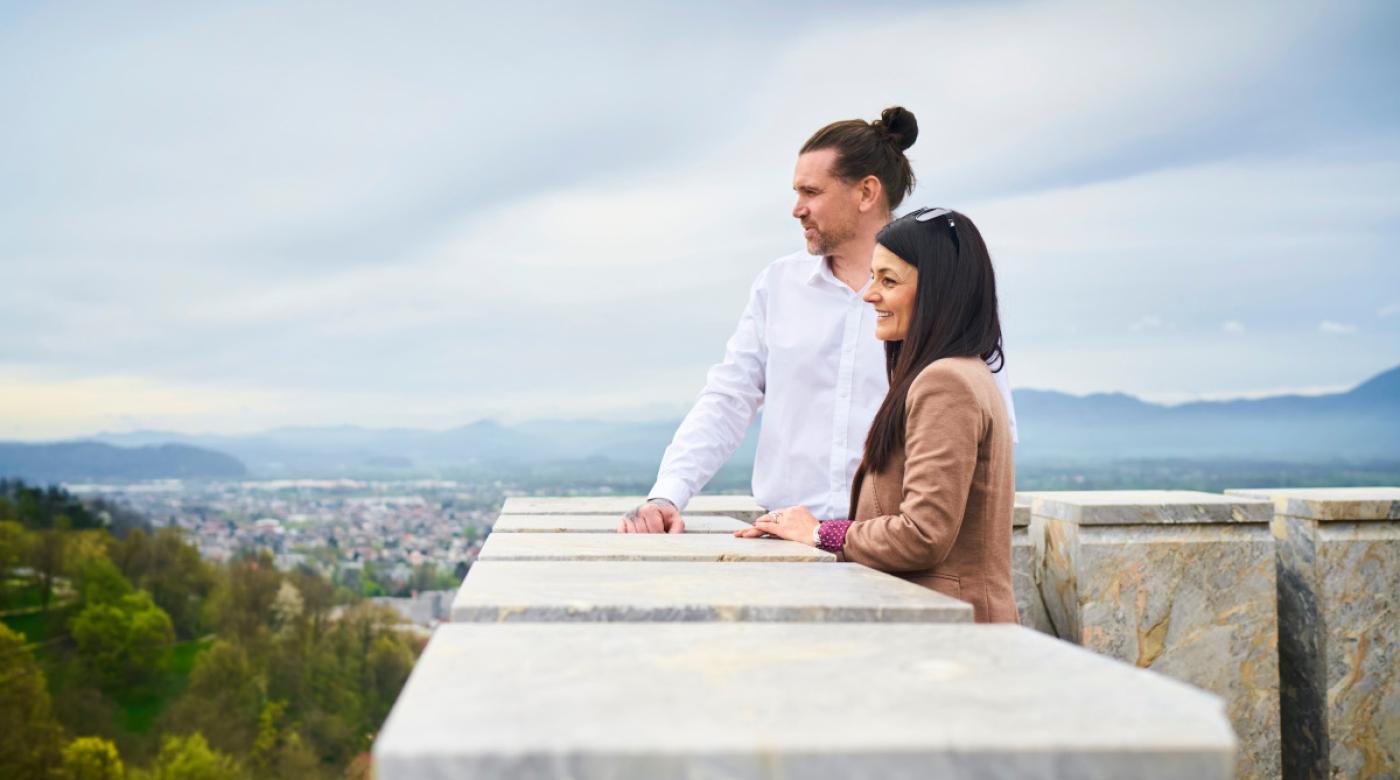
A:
223, 699
287, 606
278, 750
170, 569
30, 738
390, 661
191, 758
47, 556
124, 642
14, 549
92, 758
100, 582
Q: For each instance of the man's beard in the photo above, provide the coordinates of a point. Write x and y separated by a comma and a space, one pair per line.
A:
827, 241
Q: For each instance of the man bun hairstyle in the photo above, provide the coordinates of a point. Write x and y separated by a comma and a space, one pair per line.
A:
872, 149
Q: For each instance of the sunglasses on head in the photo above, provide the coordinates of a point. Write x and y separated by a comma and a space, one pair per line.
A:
929, 215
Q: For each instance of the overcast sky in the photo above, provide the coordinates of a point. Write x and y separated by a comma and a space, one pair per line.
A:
228, 217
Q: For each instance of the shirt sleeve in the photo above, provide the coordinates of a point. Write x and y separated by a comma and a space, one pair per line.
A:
944, 424
716, 424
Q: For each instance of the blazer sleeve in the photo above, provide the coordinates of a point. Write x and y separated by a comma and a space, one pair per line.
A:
944, 426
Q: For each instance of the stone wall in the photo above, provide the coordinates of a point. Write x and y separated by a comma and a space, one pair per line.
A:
587, 655
1338, 566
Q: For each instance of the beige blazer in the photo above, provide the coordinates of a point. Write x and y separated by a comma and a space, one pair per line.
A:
940, 513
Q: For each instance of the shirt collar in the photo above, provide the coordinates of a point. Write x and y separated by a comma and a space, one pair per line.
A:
821, 272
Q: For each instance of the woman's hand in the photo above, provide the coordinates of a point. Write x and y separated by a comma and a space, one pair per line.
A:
794, 523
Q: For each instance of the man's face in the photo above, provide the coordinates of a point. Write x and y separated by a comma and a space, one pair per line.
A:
827, 207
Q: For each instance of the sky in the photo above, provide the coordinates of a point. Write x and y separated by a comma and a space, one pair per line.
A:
227, 217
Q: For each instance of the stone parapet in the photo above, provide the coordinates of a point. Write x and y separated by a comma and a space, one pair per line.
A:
1029, 603
726, 700
740, 507
694, 524
1174, 581
1338, 559
656, 591
644, 547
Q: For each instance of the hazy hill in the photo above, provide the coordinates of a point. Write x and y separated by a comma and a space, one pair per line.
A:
1360, 425
83, 460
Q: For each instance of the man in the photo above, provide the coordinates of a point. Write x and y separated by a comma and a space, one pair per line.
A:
805, 348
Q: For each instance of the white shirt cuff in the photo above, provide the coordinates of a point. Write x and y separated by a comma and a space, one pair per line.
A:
671, 489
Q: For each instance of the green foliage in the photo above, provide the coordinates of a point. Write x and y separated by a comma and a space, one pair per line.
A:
125, 642
100, 582
38, 508
170, 569
296, 682
191, 758
30, 737
278, 750
92, 758
223, 699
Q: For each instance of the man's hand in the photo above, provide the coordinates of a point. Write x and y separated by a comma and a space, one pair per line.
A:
656, 516
795, 523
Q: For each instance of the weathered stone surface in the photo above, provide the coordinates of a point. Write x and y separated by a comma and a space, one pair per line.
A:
603, 591
596, 524
1350, 504
644, 547
1021, 512
1029, 603
1148, 507
1187, 595
789, 700
741, 507
1339, 626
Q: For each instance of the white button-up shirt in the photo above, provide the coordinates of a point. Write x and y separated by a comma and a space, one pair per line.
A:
806, 352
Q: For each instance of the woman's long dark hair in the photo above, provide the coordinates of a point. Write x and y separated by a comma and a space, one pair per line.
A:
955, 315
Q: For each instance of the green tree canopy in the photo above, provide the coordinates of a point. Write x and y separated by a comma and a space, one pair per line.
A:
30, 737
191, 758
223, 699
92, 758
123, 642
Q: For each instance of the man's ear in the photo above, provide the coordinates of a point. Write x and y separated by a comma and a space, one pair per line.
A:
872, 193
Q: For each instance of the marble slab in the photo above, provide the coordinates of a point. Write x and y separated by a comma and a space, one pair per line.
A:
657, 591
1183, 589
789, 700
596, 524
1149, 507
1339, 627
741, 507
1021, 511
644, 547
1349, 504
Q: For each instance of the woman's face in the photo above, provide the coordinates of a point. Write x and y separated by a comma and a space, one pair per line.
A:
891, 291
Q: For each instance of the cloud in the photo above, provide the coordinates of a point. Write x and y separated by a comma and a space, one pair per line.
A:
381, 222
1389, 310
1339, 328
1232, 326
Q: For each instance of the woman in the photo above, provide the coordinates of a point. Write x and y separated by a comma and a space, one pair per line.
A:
933, 497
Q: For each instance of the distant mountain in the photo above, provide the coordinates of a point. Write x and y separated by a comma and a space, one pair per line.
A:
86, 460
1360, 425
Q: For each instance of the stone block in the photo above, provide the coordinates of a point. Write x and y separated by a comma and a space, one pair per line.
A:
1029, 602
657, 591
644, 547
1338, 558
1178, 582
595, 524
794, 700
740, 507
